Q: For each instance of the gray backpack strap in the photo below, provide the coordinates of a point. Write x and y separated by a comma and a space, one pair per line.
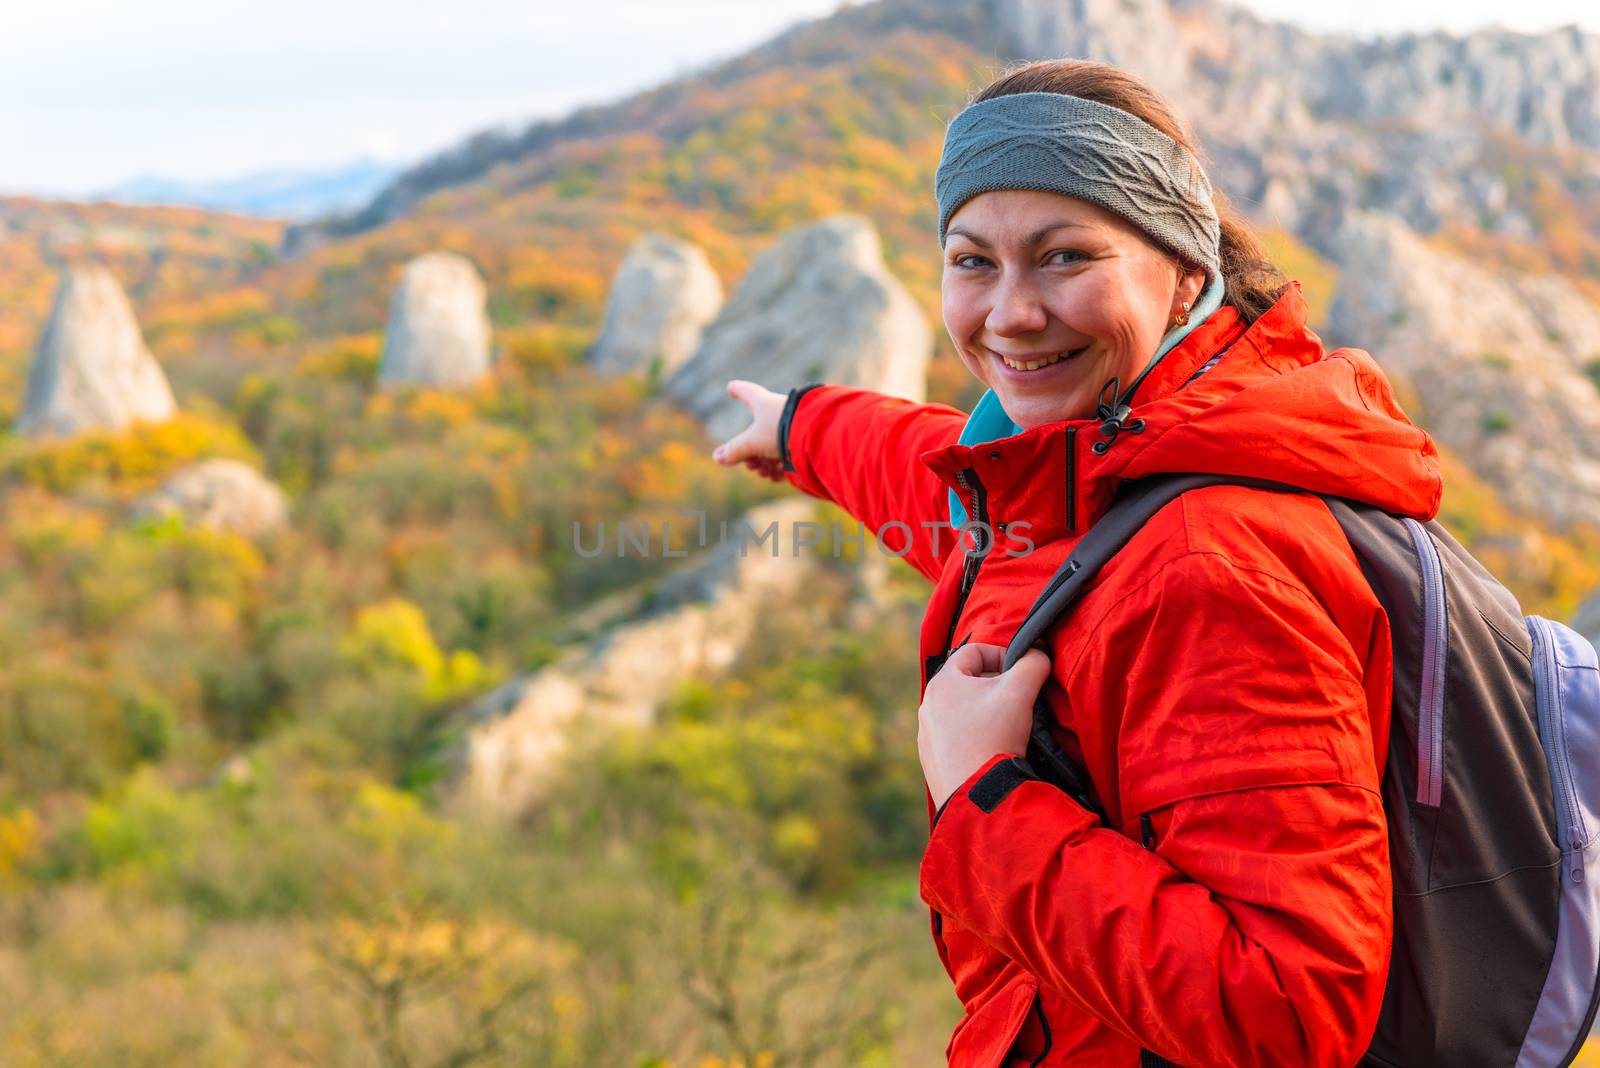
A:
1103, 541
1071, 580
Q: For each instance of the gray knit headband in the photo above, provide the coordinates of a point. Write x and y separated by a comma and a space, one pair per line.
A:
1080, 148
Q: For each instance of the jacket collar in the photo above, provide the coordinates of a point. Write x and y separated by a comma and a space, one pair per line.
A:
1051, 477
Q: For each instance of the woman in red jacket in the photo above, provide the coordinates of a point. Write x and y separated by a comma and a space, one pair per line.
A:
1226, 679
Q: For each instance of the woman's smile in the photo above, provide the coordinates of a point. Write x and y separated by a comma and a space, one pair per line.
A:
1030, 364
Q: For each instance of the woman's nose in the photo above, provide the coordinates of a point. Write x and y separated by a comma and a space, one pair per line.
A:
1017, 308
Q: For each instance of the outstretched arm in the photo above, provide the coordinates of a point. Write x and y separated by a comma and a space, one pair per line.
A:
861, 450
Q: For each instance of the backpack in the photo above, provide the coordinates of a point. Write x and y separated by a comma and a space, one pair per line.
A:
1491, 791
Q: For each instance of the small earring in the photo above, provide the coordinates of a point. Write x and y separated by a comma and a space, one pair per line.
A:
1182, 318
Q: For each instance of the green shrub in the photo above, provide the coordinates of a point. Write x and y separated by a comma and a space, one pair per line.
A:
151, 722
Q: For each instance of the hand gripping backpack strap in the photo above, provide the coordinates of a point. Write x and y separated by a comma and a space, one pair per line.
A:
1103, 541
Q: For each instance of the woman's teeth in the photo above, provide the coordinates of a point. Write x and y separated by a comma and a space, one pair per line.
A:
1034, 365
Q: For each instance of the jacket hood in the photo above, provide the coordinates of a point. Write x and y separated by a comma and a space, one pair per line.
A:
1260, 401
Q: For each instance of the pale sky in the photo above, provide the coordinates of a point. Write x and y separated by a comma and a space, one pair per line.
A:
95, 92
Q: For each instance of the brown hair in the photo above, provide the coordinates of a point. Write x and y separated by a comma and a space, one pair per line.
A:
1252, 280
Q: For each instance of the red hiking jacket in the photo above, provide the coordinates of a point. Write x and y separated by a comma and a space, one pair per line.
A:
1225, 681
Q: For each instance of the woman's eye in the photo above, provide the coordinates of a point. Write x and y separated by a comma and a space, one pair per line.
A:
972, 261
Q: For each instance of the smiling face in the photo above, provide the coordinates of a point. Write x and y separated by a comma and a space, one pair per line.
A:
1047, 296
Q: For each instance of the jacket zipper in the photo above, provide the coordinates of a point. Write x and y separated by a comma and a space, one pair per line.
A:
1553, 733
1435, 644
969, 573
977, 513
1072, 480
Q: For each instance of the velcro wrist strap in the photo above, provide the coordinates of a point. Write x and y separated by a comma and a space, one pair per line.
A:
786, 418
998, 782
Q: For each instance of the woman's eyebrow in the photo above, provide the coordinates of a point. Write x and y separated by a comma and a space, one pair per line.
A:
1032, 239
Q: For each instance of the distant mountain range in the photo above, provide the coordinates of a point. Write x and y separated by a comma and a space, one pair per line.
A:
279, 194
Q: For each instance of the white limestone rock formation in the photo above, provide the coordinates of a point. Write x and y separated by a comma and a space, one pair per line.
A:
705, 615
819, 306
1497, 363
661, 299
1141, 35
438, 332
92, 370
220, 495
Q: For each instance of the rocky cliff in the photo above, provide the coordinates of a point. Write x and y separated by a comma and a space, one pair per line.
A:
660, 301
818, 306
438, 331
701, 619
220, 494
91, 370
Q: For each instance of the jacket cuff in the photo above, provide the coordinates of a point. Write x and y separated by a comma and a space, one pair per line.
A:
981, 820
788, 417
989, 785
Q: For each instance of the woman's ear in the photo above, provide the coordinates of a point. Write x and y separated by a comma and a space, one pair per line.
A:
1191, 282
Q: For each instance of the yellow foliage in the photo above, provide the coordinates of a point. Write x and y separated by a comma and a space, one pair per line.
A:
1318, 278
390, 818
551, 279
796, 841
353, 357
679, 454
380, 405
19, 842
638, 144
227, 308
178, 341
418, 952
133, 459
463, 673
545, 346
612, 444
214, 562
148, 826
43, 525
436, 409
882, 158
1548, 574
395, 632
503, 483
